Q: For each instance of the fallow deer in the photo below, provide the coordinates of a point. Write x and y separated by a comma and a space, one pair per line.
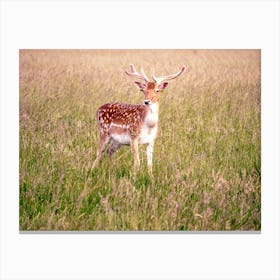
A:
128, 124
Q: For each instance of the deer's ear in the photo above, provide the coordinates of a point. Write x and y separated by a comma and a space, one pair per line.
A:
139, 85
162, 86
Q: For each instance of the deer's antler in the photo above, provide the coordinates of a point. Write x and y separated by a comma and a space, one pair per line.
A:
159, 80
135, 74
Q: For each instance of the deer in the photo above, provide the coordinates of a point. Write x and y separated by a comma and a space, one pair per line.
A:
133, 124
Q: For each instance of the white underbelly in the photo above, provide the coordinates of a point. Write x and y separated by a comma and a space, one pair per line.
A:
146, 137
123, 139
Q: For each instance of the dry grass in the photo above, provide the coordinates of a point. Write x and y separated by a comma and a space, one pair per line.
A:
207, 165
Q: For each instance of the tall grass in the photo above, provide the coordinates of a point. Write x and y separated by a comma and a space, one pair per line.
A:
207, 164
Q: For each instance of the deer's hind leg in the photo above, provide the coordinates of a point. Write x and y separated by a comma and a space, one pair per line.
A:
113, 147
104, 140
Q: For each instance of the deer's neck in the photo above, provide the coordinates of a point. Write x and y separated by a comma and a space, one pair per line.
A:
153, 108
151, 118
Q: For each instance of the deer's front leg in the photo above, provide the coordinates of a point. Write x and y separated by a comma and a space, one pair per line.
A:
150, 149
134, 148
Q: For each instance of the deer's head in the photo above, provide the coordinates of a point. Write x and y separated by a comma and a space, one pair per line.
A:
152, 89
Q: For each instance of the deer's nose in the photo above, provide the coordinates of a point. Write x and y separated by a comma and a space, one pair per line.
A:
147, 102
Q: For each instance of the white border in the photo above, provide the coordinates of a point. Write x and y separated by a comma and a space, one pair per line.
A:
135, 24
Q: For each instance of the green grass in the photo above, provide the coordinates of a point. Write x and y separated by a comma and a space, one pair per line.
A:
207, 163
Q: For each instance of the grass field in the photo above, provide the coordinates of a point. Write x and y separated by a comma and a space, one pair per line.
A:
207, 157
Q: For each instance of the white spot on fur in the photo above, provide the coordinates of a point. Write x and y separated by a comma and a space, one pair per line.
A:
123, 126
